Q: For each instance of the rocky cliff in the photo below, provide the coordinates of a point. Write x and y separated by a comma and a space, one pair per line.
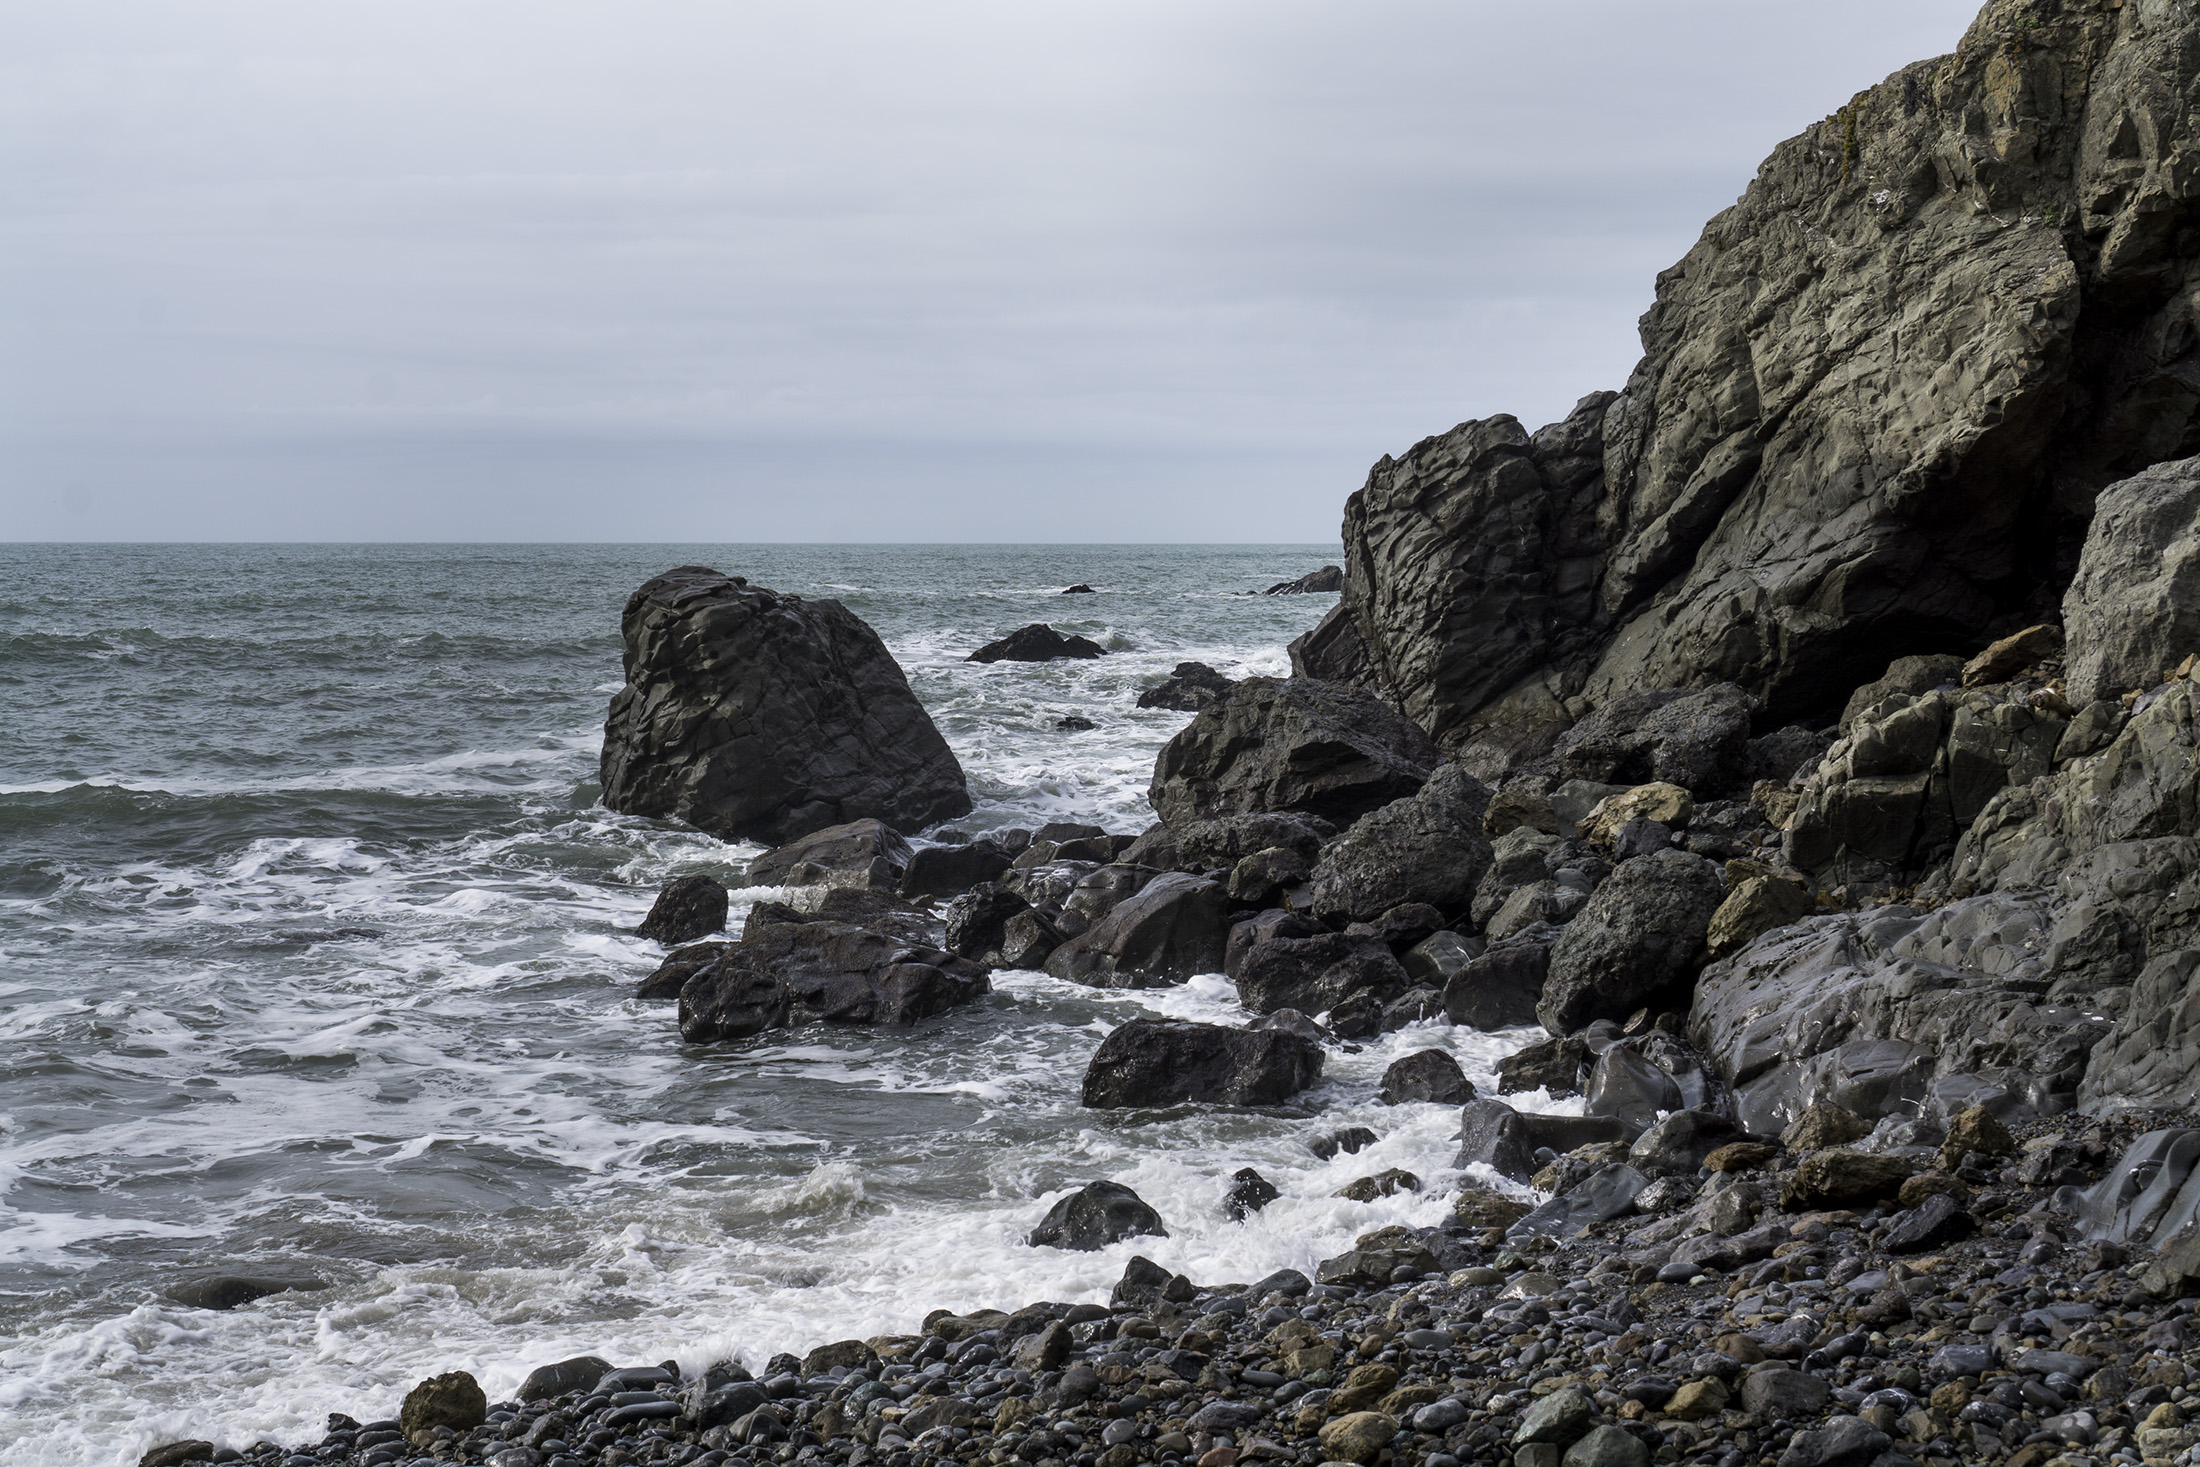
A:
1875, 405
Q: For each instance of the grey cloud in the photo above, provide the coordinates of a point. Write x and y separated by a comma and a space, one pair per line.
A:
1124, 270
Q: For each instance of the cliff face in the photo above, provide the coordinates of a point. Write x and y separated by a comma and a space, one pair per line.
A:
1875, 403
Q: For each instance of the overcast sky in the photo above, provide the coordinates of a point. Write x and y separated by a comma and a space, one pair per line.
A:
714, 270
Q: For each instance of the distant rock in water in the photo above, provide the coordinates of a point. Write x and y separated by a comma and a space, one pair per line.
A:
1080, 589
1074, 724
1095, 1215
1193, 686
1329, 578
686, 908
757, 716
1037, 643
229, 1291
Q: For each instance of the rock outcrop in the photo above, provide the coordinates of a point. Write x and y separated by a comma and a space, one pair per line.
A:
1168, 1061
1038, 643
1193, 686
1296, 745
1427, 848
1326, 581
1875, 404
2133, 610
757, 716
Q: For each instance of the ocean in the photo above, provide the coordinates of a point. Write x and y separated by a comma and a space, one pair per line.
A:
316, 948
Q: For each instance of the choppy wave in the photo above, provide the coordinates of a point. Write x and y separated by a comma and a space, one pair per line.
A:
315, 950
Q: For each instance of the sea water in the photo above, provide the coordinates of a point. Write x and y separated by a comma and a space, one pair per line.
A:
316, 948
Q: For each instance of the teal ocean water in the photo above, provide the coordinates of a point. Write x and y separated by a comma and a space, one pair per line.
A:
315, 954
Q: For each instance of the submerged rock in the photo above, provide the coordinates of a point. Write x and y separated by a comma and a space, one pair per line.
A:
757, 716
1149, 1062
1037, 643
1095, 1215
1329, 578
687, 907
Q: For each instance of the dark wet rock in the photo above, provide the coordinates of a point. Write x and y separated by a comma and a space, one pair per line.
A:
1412, 1007
2134, 608
1205, 845
1386, 1183
1073, 723
1146, 1283
1793, 1395
1193, 686
1492, 1134
1327, 580
1500, 988
1149, 1062
757, 716
976, 922
1402, 927
1604, 1194
175, 1454
1299, 745
1253, 931
1845, 1441
1933, 1223
1877, 1010
1838, 1178
1095, 1215
1426, 849
1427, 1075
454, 1399
1642, 931
231, 1291
1037, 643
1357, 1016
1291, 1021
729, 997
1625, 1084
1080, 589
1099, 892
1679, 1143
547, 1382
945, 870
1905, 677
1265, 875
1315, 974
687, 907
1440, 957
1350, 1141
1170, 930
1375, 1257
1249, 1193
1555, 1065
863, 854
1694, 739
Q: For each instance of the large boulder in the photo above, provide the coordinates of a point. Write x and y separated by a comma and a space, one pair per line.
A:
1095, 1215
1315, 974
1299, 745
866, 854
1796, 485
757, 716
1193, 686
1168, 1061
687, 907
1696, 740
1893, 1012
946, 870
2134, 608
1642, 932
1037, 643
728, 997
1427, 848
1172, 929
841, 973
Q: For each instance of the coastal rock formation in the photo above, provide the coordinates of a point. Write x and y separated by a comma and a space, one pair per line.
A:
792, 967
1166, 1061
2133, 609
1328, 580
1095, 1215
1297, 745
1193, 686
1426, 848
866, 854
757, 716
1876, 403
1172, 929
1037, 643
687, 907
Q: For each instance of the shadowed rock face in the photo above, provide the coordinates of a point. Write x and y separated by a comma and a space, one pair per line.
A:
757, 716
1875, 404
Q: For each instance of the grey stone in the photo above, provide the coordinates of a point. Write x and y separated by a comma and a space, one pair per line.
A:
1561, 1418
2133, 609
1500, 988
1170, 930
1037, 642
1606, 1446
687, 907
1300, 745
1095, 1215
1149, 1062
1844, 1441
946, 870
1936, 1221
1693, 738
1493, 1134
838, 972
1794, 1395
1905, 677
1606, 1193
1193, 686
1680, 1142
757, 716
1425, 848
547, 1382
1642, 931
1427, 1075
1440, 957
1315, 974
864, 854
1625, 1084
